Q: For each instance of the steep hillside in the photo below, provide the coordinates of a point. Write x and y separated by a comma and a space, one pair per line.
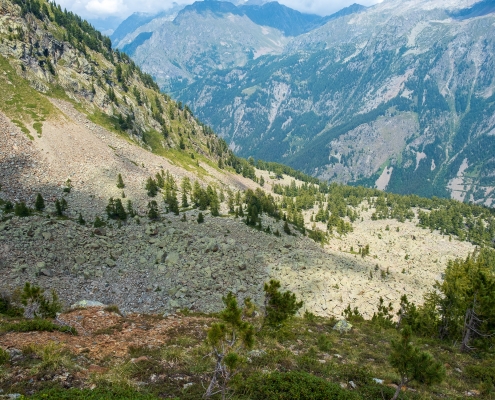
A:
399, 96
87, 131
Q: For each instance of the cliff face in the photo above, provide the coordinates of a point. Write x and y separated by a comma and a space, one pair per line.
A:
399, 96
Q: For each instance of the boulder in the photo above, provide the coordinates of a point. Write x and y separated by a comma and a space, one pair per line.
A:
110, 263
80, 259
87, 303
342, 326
173, 258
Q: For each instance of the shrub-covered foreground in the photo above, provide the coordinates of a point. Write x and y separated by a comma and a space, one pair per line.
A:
301, 359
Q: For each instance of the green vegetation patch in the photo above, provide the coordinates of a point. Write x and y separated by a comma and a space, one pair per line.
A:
294, 385
20, 102
96, 394
35, 325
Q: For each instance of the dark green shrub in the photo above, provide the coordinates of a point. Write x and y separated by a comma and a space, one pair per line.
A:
9, 309
21, 210
324, 343
279, 306
356, 373
37, 305
201, 218
98, 223
36, 325
480, 374
39, 204
115, 209
96, 394
8, 207
293, 385
4, 356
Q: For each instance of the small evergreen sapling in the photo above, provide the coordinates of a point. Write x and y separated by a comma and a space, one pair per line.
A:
413, 364
153, 213
39, 204
37, 305
115, 209
229, 339
201, 218
120, 182
21, 210
279, 306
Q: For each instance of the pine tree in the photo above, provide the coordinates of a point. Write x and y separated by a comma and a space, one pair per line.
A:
58, 208
279, 306
153, 213
151, 187
21, 210
201, 218
120, 182
39, 204
81, 220
413, 364
184, 200
229, 339
214, 202
173, 203
286, 228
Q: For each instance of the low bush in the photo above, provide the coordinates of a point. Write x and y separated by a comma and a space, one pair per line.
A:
36, 325
294, 385
88, 394
4, 356
8, 308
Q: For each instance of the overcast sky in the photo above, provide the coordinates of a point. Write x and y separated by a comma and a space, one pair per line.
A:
123, 8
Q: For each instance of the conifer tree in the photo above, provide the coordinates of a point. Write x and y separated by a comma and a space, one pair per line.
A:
413, 364
279, 306
115, 209
58, 208
286, 228
120, 182
229, 339
151, 187
153, 213
39, 204
173, 203
21, 210
184, 200
81, 220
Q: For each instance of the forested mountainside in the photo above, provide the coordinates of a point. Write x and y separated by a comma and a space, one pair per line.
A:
399, 97
49, 54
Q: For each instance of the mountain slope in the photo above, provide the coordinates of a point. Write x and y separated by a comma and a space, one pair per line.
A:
204, 37
283, 18
68, 139
400, 92
207, 36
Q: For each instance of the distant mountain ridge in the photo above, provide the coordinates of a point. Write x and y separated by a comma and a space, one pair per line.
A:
212, 35
399, 96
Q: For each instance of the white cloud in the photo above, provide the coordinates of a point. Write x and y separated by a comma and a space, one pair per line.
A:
123, 8
106, 7
324, 7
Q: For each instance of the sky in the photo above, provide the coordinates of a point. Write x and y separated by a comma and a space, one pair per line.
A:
123, 8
